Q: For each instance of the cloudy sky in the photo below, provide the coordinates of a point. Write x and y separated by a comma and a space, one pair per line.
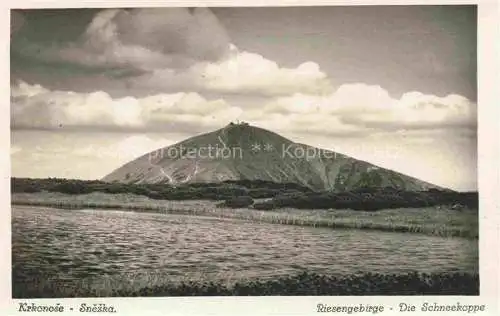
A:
394, 85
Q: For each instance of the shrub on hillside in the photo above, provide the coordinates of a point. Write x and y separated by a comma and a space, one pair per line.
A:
238, 202
264, 206
31, 189
139, 190
283, 194
263, 193
72, 188
155, 195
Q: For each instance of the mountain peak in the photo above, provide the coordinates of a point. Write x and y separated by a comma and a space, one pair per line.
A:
238, 127
240, 151
237, 123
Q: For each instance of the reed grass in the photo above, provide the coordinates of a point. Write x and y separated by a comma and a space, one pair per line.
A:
305, 283
430, 220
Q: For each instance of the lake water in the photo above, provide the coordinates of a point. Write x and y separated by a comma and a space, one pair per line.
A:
78, 244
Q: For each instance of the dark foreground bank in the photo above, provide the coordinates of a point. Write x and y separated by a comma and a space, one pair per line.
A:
308, 284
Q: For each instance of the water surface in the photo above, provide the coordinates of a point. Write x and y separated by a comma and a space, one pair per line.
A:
78, 244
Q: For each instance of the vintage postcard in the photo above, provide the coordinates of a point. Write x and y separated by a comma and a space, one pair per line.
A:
226, 159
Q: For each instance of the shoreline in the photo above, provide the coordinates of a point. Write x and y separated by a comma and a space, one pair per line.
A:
399, 220
442, 223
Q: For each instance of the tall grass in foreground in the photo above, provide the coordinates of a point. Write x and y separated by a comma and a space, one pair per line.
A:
301, 284
430, 220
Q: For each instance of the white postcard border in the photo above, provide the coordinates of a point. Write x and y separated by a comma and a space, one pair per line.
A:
488, 173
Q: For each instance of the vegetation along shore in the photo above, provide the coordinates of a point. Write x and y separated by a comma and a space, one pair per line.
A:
305, 283
448, 214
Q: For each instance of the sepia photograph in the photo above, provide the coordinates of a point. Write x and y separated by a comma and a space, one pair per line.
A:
244, 151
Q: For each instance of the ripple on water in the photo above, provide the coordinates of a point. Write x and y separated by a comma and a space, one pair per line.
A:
87, 244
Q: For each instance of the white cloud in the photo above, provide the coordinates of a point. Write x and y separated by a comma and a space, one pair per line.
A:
172, 48
358, 108
353, 110
348, 98
149, 39
36, 107
126, 149
249, 72
76, 154
239, 72
24, 89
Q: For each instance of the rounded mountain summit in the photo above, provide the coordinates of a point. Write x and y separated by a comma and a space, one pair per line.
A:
240, 151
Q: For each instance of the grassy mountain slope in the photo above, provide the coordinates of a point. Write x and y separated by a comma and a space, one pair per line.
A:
244, 152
